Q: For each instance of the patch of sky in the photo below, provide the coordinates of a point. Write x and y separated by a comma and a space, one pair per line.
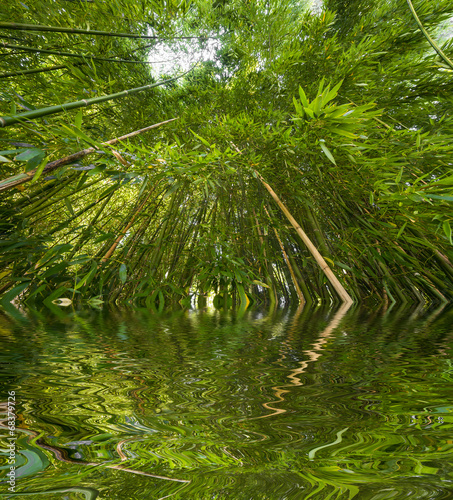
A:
169, 58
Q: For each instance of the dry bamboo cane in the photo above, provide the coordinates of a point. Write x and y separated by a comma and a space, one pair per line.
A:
15, 180
342, 293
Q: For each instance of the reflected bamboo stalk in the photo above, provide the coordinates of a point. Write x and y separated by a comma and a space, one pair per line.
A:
313, 355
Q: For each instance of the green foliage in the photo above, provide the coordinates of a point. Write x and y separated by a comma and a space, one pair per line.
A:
344, 112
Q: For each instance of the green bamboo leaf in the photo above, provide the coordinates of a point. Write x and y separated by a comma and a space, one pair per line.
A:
443, 197
69, 206
303, 97
327, 152
39, 171
11, 294
446, 180
78, 119
332, 93
204, 141
4, 160
447, 230
400, 232
28, 154
88, 277
342, 132
400, 174
123, 273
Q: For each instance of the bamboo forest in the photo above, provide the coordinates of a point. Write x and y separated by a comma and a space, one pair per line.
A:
226, 249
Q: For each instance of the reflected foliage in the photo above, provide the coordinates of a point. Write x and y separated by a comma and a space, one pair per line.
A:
205, 404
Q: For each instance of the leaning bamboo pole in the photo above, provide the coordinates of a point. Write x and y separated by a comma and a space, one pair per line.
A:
79, 31
15, 180
425, 33
342, 293
50, 110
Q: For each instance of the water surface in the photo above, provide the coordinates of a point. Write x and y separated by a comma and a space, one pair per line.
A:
319, 404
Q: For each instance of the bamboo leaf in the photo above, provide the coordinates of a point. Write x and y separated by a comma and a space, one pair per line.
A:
260, 283
303, 98
78, 119
11, 294
327, 152
123, 273
400, 232
39, 171
204, 141
88, 277
447, 230
28, 154
69, 206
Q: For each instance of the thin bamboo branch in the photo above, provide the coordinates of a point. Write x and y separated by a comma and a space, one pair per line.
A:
71, 54
342, 293
15, 180
78, 31
36, 70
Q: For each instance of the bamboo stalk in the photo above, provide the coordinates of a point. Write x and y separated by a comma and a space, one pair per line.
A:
15, 180
79, 31
50, 110
342, 293
71, 54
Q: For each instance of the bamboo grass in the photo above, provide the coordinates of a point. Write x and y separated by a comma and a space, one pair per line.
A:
71, 54
15, 180
425, 33
78, 31
342, 293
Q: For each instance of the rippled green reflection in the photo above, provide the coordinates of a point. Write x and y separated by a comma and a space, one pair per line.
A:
306, 404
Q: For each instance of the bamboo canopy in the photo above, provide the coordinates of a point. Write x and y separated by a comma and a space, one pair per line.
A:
345, 114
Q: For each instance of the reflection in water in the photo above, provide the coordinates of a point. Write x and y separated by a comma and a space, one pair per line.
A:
311, 403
